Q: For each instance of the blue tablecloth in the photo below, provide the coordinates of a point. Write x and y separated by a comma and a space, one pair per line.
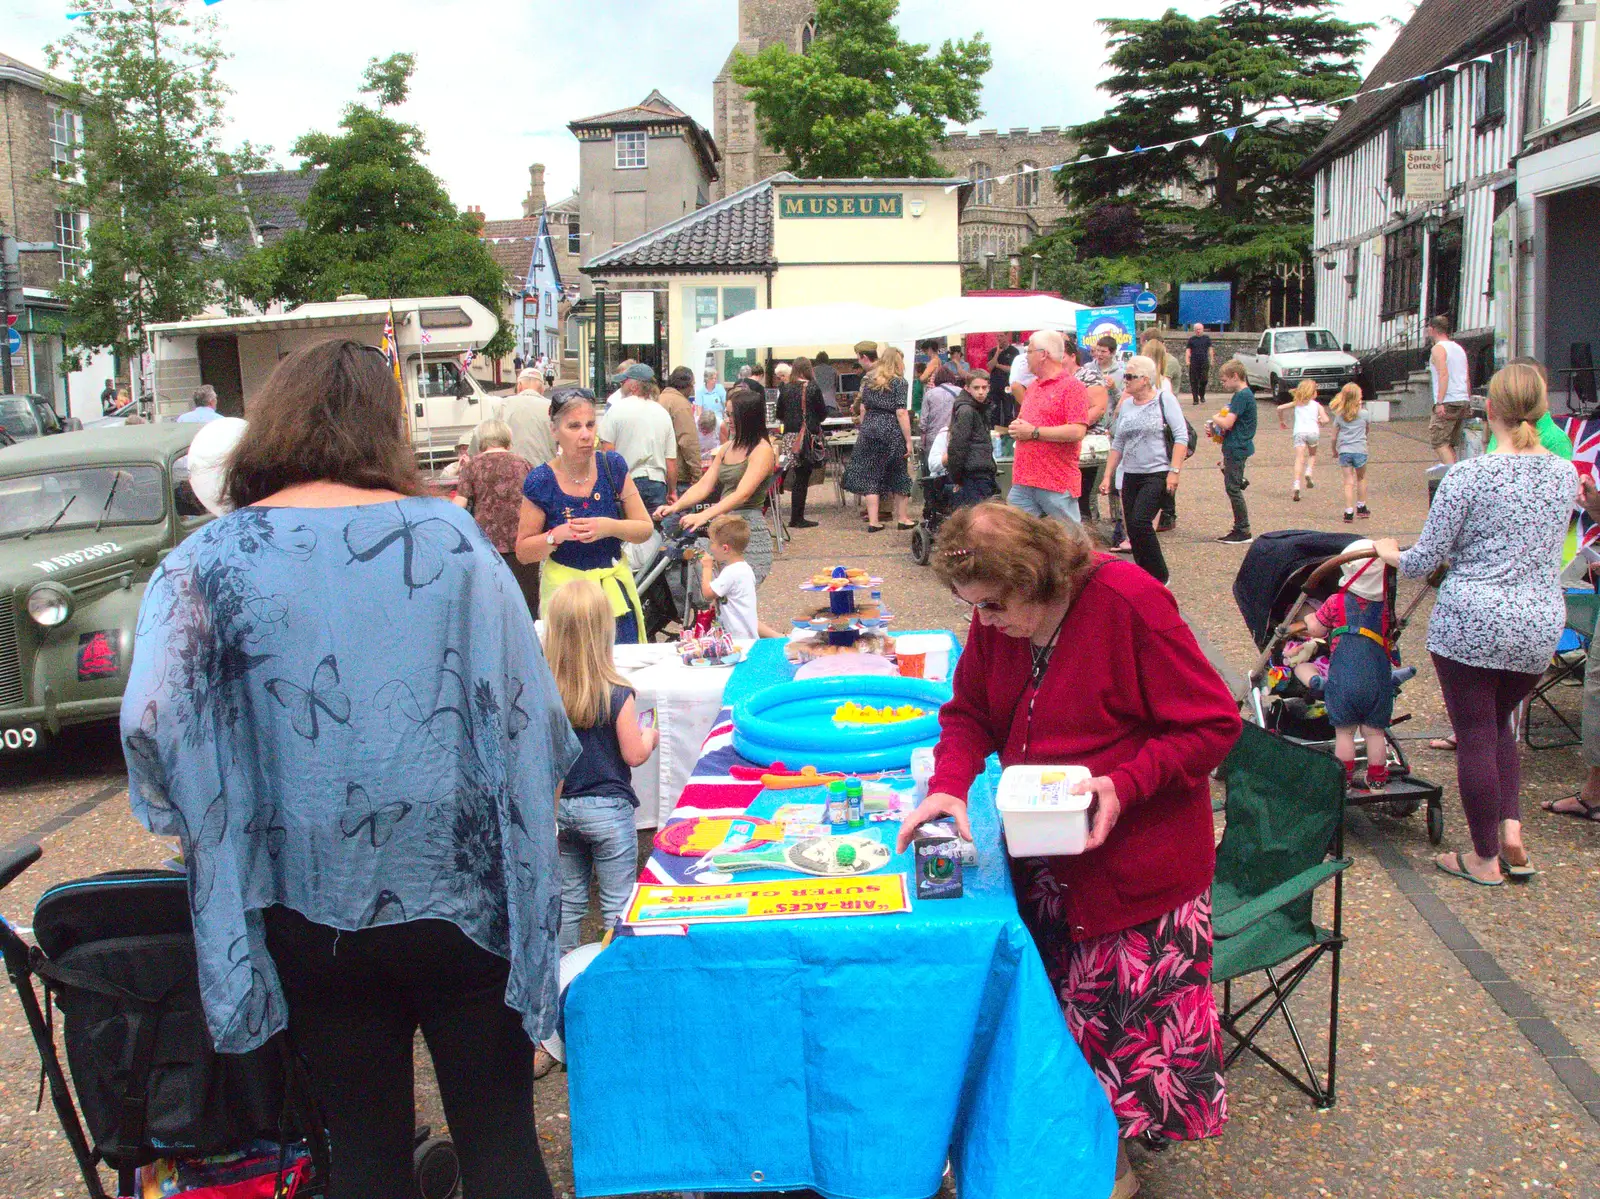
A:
852, 1056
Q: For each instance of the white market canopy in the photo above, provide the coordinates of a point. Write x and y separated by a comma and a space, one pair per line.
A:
845, 323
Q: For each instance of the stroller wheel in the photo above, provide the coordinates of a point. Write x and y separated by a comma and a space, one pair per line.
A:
436, 1169
1435, 824
921, 545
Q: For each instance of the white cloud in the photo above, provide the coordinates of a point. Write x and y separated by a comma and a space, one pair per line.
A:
498, 80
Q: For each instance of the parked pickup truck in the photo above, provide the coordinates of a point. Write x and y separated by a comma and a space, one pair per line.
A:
84, 520
23, 417
1283, 357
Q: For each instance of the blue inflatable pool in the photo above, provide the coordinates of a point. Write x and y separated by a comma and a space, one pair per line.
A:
793, 723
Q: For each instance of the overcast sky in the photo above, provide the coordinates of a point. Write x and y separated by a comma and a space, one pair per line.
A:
498, 80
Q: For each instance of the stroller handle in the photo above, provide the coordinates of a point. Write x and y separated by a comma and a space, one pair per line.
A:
14, 861
1333, 564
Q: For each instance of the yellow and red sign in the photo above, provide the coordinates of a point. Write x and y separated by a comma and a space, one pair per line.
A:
785, 899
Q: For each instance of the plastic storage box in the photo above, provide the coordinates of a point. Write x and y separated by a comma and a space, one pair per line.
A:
1042, 817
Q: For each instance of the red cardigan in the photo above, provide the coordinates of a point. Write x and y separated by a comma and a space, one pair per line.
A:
1129, 695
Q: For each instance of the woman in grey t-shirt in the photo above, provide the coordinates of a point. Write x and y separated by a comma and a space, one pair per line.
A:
1498, 521
1350, 444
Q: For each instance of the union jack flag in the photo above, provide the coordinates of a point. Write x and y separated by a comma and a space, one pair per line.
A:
1585, 436
390, 347
466, 359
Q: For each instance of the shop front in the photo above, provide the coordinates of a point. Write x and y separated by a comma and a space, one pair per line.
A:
788, 242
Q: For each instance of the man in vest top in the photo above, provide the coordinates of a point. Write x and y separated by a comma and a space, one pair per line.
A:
1450, 387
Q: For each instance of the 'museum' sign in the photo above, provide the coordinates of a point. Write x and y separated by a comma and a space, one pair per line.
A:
835, 204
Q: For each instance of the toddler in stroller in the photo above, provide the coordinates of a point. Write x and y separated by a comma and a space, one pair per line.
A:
1361, 679
1291, 590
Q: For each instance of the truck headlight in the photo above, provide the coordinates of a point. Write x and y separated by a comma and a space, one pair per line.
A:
49, 605
1292, 372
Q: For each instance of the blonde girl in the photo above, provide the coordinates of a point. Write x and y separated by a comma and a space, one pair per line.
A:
595, 813
1309, 417
1350, 444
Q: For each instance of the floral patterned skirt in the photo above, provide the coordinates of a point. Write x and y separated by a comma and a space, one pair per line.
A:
1139, 1004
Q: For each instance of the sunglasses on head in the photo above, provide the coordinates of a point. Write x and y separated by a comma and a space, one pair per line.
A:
565, 397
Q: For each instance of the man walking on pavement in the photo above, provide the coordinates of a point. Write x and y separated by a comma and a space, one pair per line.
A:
674, 398
527, 412
1201, 356
1451, 389
205, 407
1048, 432
639, 429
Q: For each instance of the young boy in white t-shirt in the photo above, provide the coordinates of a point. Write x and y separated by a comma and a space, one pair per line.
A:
734, 586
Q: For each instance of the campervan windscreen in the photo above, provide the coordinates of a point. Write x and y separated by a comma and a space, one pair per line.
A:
439, 379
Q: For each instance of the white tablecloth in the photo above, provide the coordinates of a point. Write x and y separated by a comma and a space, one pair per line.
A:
686, 700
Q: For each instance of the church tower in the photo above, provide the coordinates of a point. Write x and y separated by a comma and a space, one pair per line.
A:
762, 23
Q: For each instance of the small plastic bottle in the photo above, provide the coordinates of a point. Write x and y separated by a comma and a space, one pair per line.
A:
853, 804
838, 803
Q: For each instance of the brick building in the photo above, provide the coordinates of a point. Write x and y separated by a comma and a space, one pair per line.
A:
38, 131
1010, 204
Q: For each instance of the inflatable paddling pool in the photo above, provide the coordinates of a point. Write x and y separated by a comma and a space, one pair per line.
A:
793, 723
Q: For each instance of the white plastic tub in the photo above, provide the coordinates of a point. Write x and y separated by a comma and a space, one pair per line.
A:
937, 648
1041, 815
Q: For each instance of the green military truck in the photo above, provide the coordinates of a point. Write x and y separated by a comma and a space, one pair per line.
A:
85, 517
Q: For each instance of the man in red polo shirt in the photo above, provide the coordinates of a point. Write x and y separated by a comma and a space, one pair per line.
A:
1048, 432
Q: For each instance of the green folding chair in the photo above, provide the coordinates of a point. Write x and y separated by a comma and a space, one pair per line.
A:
1285, 817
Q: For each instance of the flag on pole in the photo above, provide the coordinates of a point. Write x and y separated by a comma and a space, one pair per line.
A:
390, 347
466, 359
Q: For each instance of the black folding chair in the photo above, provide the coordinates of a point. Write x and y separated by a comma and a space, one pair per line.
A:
1581, 380
1566, 667
1284, 839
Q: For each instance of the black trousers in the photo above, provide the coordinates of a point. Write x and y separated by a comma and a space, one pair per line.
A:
1141, 501
527, 576
800, 473
356, 1000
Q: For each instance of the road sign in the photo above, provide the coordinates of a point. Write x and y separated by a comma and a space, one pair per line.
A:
11, 318
1145, 302
13, 342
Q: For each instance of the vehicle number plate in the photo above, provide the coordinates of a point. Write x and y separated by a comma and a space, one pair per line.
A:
26, 737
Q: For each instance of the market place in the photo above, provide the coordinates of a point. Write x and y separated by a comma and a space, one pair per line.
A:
728, 631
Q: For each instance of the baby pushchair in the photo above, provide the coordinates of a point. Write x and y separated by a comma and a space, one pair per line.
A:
115, 953
937, 501
1284, 578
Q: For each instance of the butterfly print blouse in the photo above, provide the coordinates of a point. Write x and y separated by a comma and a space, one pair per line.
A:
346, 711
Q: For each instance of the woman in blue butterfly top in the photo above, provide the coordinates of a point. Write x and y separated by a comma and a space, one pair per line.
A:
338, 705
577, 511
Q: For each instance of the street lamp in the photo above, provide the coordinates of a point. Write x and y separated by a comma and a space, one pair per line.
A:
988, 257
1033, 284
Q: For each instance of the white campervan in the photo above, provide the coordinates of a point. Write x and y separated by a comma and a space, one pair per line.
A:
236, 354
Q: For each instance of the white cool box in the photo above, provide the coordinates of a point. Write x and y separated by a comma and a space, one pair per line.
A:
1042, 817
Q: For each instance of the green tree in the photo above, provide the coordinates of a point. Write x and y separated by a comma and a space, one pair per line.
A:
861, 101
378, 221
145, 78
1271, 66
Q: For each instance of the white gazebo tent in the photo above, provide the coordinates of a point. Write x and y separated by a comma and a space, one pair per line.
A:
845, 323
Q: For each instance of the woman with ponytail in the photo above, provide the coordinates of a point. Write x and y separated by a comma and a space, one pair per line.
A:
1498, 522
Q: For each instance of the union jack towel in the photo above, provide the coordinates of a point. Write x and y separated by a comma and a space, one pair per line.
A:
1585, 436
710, 791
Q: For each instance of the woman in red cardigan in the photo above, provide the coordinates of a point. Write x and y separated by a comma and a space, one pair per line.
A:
1125, 927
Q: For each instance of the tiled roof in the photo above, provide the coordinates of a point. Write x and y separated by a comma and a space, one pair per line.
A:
734, 232
654, 107
1439, 33
275, 198
514, 257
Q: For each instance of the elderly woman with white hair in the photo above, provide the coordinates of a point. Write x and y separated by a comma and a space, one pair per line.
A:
1139, 446
490, 488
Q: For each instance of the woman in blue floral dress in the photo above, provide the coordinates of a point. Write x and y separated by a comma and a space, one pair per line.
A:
338, 705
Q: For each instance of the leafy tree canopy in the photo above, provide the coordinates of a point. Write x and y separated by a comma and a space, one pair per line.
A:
1276, 62
378, 221
861, 101
145, 79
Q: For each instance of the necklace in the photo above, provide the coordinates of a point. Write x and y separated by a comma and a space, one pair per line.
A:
1042, 653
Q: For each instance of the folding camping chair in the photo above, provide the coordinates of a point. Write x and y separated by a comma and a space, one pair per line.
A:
1285, 815
1570, 661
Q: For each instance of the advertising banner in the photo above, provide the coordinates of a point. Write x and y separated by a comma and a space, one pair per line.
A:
1116, 319
786, 899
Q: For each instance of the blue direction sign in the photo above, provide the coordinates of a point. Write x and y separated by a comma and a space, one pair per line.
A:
1145, 302
13, 341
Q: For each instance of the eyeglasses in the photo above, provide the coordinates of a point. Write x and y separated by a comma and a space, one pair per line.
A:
995, 606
